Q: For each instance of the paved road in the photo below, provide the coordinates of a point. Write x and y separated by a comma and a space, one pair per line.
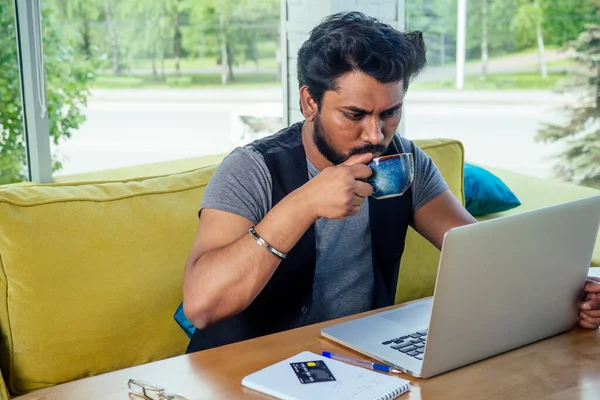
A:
527, 62
493, 134
135, 127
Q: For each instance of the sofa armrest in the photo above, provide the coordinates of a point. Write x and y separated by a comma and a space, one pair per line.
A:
536, 193
144, 170
3, 390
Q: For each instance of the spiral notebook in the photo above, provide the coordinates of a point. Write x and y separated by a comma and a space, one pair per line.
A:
310, 376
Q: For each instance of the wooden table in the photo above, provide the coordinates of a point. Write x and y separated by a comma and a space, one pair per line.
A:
566, 366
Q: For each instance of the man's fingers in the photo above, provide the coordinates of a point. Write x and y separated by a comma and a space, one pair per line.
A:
589, 318
592, 286
357, 201
591, 313
361, 171
584, 324
363, 189
358, 159
590, 305
592, 322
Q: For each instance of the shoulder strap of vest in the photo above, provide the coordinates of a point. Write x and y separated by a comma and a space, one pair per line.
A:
389, 219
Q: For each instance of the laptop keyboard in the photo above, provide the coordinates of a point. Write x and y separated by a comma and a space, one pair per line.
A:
412, 345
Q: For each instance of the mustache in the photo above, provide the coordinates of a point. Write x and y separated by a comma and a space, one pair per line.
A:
368, 148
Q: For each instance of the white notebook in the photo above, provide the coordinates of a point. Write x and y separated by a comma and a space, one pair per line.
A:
281, 380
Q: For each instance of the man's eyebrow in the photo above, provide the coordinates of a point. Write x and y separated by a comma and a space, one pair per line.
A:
359, 110
394, 108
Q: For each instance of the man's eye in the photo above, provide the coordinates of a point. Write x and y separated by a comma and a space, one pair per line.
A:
389, 114
353, 116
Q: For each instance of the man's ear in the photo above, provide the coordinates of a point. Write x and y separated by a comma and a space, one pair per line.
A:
308, 104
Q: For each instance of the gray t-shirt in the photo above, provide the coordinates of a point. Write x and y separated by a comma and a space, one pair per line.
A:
344, 281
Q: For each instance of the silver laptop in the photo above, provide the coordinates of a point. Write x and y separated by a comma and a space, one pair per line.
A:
501, 284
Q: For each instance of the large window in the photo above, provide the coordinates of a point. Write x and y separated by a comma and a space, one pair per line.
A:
135, 82
12, 138
518, 54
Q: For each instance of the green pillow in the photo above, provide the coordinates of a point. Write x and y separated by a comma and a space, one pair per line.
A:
485, 193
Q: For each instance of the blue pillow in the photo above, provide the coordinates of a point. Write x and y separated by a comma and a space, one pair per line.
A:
485, 193
183, 322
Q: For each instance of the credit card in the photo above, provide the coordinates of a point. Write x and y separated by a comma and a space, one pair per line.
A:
312, 372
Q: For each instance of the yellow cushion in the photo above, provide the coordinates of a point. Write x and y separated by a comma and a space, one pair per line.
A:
90, 275
419, 264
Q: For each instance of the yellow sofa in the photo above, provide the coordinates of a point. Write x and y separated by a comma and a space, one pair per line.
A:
91, 267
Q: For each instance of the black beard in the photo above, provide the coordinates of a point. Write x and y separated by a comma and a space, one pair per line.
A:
330, 153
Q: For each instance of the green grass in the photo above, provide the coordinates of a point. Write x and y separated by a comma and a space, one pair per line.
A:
195, 81
507, 81
565, 62
267, 49
523, 52
201, 63
477, 60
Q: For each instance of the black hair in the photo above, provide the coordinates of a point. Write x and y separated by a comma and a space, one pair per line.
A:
352, 41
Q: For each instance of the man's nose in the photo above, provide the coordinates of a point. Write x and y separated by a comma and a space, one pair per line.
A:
372, 132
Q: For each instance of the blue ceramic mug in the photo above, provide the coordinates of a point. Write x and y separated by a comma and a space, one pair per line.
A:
392, 175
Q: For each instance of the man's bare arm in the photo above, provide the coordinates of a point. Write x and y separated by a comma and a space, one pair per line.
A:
439, 215
227, 269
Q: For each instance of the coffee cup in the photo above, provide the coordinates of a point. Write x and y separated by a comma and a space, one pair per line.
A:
392, 175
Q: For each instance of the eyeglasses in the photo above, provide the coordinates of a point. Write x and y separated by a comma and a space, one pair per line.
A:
150, 391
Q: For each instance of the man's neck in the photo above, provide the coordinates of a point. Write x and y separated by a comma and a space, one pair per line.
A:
310, 148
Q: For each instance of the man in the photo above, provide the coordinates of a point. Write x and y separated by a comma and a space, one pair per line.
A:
287, 233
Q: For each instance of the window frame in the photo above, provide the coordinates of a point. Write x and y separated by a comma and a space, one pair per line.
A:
30, 58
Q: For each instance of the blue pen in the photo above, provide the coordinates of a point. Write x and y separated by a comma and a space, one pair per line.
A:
361, 363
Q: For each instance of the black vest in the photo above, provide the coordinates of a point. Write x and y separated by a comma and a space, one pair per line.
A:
286, 300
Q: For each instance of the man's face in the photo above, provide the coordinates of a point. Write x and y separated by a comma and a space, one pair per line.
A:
361, 116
